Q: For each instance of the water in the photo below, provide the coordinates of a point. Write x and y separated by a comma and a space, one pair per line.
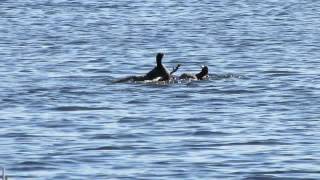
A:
257, 117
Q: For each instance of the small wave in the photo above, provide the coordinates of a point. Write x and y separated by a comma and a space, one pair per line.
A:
103, 136
78, 42
136, 101
207, 133
269, 175
96, 70
248, 143
197, 119
231, 91
226, 76
36, 90
79, 108
24, 135
265, 177
133, 119
240, 91
32, 163
181, 96
33, 166
278, 73
261, 142
109, 148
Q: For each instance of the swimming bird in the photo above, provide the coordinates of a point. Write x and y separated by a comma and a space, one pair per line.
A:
203, 74
158, 73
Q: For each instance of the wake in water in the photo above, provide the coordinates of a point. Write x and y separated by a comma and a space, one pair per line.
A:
177, 80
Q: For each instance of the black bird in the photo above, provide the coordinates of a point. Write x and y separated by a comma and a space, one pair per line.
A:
199, 76
158, 73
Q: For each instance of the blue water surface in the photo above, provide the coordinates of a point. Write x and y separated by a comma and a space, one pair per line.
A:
62, 117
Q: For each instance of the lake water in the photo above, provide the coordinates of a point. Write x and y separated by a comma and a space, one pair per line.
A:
62, 117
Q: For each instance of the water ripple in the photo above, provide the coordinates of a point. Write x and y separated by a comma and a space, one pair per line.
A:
256, 117
79, 108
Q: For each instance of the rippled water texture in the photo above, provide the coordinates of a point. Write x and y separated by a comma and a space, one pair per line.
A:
257, 117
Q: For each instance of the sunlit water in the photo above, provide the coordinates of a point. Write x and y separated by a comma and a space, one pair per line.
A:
257, 117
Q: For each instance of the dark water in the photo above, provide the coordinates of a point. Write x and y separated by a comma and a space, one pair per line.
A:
257, 117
